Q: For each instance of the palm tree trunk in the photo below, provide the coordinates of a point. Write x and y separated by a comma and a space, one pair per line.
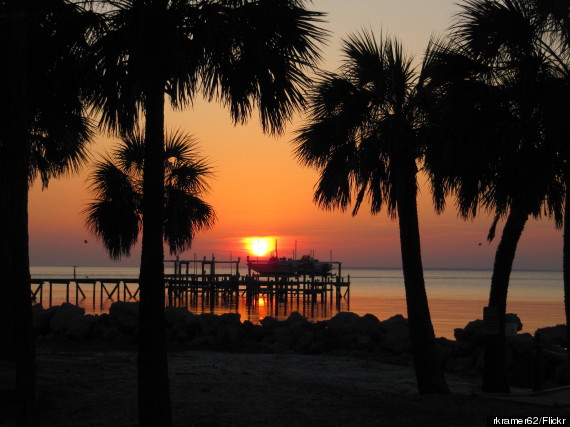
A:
566, 259
153, 384
495, 372
20, 276
18, 271
427, 360
6, 284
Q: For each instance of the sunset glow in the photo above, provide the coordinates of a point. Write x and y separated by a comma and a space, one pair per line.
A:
259, 246
260, 190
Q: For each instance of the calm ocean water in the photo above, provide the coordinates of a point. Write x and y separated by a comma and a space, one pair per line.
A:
456, 296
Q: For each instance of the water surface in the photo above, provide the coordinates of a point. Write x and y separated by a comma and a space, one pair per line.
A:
455, 296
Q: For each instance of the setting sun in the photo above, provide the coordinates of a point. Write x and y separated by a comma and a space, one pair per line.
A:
258, 246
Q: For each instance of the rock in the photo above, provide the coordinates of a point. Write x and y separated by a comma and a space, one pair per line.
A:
124, 316
397, 339
446, 348
556, 333
305, 341
79, 328
233, 318
522, 345
279, 346
474, 331
228, 334
513, 324
281, 334
394, 322
269, 322
296, 319
396, 335
122, 308
42, 319
363, 341
341, 331
209, 323
343, 321
256, 332
370, 325
63, 316
174, 315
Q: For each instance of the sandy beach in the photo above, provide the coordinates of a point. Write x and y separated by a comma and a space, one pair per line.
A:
83, 386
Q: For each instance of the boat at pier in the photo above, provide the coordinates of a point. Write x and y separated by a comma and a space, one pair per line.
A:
275, 266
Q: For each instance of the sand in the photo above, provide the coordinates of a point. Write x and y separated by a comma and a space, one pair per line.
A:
90, 387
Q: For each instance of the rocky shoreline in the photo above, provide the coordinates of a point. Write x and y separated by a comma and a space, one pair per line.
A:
344, 334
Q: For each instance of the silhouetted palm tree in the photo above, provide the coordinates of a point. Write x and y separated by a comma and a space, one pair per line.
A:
116, 217
43, 44
363, 136
493, 81
245, 54
555, 15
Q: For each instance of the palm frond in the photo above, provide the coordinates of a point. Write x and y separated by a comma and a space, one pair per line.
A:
257, 54
130, 153
116, 222
186, 215
180, 146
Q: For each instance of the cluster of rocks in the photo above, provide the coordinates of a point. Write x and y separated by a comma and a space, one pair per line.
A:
532, 361
345, 333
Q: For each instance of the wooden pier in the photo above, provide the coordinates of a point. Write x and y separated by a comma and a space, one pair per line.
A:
187, 280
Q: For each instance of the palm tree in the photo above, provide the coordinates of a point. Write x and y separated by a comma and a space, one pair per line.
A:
491, 83
363, 136
555, 15
245, 54
44, 133
116, 215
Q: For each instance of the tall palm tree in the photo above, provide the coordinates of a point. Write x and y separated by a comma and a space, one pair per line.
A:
116, 215
493, 81
555, 15
43, 133
245, 54
363, 136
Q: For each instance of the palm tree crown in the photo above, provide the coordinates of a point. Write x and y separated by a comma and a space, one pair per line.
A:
363, 124
58, 73
242, 53
116, 217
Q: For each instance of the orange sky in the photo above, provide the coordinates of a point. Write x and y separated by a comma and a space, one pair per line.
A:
260, 190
